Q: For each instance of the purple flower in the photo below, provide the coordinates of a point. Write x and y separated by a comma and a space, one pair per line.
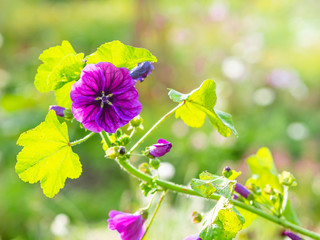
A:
242, 190
140, 72
104, 98
193, 237
291, 235
160, 148
129, 226
235, 196
59, 110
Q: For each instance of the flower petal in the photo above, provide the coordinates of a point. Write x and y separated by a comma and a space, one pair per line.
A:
91, 83
130, 226
127, 104
108, 119
117, 80
85, 109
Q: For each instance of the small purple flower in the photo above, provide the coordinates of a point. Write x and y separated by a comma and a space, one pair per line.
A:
291, 235
235, 196
140, 72
193, 237
242, 190
129, 226
104, 98
160, 148
59, 110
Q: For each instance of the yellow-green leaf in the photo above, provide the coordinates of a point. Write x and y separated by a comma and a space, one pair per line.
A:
200, 103
47, 156
51, 58
121, 55
223, 222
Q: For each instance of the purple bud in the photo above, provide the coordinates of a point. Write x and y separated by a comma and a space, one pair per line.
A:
235, 196
140, 72
59, 110
242, 190
227, 168
291, 235
160, 148
193, 237
129, 226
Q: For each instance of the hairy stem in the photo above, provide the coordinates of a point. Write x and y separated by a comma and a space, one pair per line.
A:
153, 128
82, 139
106, 138
155, 213
127, 166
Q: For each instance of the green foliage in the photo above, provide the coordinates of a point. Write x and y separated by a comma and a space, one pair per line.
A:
60, 64
264, 174
223, 222
120, 55
47, 156
200, 103
209, 184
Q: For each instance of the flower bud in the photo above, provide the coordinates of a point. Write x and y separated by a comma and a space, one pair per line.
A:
291, 235
118, 133
160, 148
154, 162
235, 196
196, 217
122, 150
145, 168
136, 121
59, 110
112, 152
124, 139
227, 172
287, 179
242, 190
140, 72
268, 190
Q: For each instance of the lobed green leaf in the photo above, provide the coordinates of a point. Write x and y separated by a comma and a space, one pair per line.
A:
209, 184
120, 55
223, 222
47, 156
200, 103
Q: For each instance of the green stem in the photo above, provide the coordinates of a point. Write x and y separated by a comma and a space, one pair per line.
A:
155, 213
106, 138
153, 128
132, 133
82, 139
126, 165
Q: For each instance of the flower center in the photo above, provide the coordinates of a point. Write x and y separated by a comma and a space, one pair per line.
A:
105, 99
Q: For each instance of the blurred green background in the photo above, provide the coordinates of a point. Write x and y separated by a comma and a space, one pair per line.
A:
264, 56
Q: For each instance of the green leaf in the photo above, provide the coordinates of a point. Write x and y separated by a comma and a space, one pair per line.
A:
264, 173
47, 156
290, 214
51, 59
121, 55
223, 222
248, 216
200, 103
68, 70
263, 169
63, 95
209, 184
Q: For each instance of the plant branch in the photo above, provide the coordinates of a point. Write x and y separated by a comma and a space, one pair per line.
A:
153, 128
154, 213
126, 165
82, 139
